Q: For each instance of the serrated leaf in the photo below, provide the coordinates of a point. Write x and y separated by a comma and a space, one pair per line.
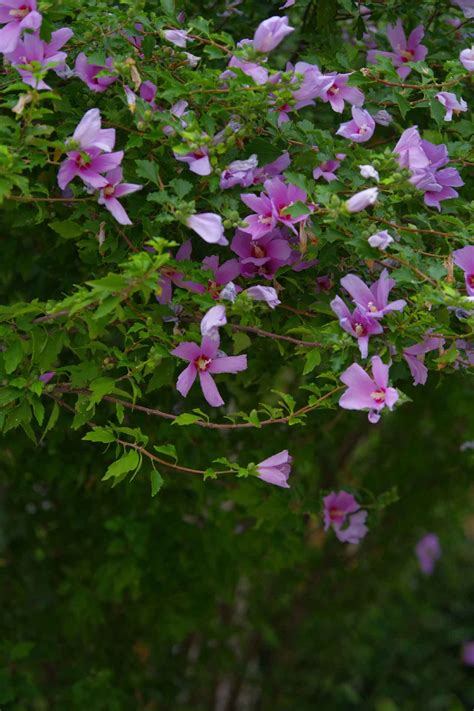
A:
125, 464
156, 481
313, 359
99, 434
13, 357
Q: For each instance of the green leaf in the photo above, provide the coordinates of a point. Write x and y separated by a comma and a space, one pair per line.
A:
186, 419
168, 449
53, 418
67, 229
13, 357
313, 359
156, 481
169, 6
101, 387
181, 187
125, 464
148, 170
297, 209
100, 434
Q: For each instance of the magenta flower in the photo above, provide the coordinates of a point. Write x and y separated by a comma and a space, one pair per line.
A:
115, 189
466, 58
255, 71
428, 552
415, 357
373, 300
344, 515
263, 256
89, 134
264, 293
17, 16
368, 393
276, 469
464, 259
380, 240
364, 198
33, 49
327, 170
88, 165
270, 33
273, 169
468, 654
89, 73
358, 324
208, 226
338, 92
360, 129
197, 160
148, 93
451, 104
179, 38
212, 321
239, 172
169, 276
204, 361
223, 274
264, 221
403, 50
270, 207
47, 377
410, 151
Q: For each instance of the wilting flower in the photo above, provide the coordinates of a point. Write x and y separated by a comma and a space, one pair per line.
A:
205, 362
339, 91
368, 393
276, 469
468, 654
212, 321
115, 189
239, 172
428, 551
360, 129
380, 240
466, 58
264, 293
404, 50
451, 104
383, 118
208, 226
327, 170
223, 274
415, 357
359, 324
263, 256
373, 300
177, 37
464, 258
258, 73
344, 515
197, 160
89, 73
362, 199
270, 33
47, 377
17, 16
368, 171
33, 49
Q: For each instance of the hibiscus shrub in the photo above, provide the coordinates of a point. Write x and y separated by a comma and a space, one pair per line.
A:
222, 230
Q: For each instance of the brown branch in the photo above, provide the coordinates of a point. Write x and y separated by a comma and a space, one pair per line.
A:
164, 463
410, 229
275, 336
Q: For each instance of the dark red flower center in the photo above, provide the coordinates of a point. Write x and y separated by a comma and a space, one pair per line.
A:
336, 514
470, 280
378, 396
20, 12
202, 363
258, 251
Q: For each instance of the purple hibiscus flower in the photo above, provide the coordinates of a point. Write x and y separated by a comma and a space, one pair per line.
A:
368, 393
428, 552
169, 276
208, 226
197, 160
466, 58
358, 324
271, 206
339, 92
276, 469
223, 274
115, 189
464, 259
373, 300
451, 103
360, 129
89, 73
264, 293
205, 362
364, 198
327, 170
344, 515
380, 240
33, 49
212, 321
239, 172
179, 38
270, 33
255, 71
415, 356
404, 50
264, 256
17, 16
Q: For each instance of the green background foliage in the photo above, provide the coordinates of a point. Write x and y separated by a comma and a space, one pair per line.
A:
130, 584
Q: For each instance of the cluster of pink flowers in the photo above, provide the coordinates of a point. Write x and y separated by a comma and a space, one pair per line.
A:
89, 157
